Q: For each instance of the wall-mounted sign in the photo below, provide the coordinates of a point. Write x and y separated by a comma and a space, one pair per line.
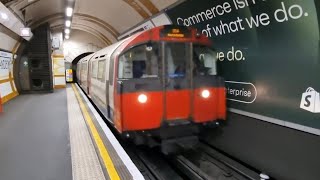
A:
6, 88
5, 61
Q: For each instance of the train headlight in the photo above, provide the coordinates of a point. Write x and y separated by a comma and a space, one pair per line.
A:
142, 98
205, 94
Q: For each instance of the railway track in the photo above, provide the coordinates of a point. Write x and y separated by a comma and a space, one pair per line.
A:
190, 170
230, 166
153, 164
202, 163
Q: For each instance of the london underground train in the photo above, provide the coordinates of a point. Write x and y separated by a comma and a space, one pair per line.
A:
158, 86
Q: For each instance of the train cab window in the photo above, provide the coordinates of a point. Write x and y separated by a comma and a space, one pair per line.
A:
139, 62
94, 69
176, 56
204, 61
101, 70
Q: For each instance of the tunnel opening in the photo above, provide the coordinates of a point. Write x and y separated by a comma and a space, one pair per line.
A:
73, 65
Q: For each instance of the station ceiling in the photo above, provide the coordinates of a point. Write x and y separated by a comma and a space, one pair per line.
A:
104, 19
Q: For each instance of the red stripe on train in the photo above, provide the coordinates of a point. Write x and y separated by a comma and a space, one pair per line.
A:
135, 115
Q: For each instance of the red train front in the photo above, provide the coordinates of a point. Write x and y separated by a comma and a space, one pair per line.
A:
166, 85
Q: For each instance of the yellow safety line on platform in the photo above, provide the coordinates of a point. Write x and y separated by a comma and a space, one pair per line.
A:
113, 174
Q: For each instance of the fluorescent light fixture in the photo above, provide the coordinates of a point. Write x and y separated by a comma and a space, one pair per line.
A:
68, 23
67, 31
69, 11
25, 32
4, 16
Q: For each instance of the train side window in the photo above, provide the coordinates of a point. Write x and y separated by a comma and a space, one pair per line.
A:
101, 70
78, 71
139, 62
111, 68
94, 69
84, 68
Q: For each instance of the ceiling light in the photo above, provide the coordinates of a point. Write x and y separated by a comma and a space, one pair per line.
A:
68, 23
67, 31
25, 32
4, 16
69, 11
67, 36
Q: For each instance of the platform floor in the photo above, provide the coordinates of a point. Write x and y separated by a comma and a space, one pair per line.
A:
34, 138
84, 158
59, 136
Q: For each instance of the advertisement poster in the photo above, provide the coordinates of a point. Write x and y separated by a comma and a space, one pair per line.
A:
59, 72
268, 52
69, 75
5, 68
5, 62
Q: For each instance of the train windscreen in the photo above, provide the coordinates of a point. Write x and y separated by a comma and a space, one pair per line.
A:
176, 56
140, 62
144, 61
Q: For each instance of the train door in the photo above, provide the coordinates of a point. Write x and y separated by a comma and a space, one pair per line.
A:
177, 82
84, 75
89, 75
79, 73
111, 86
24, 74
107, 86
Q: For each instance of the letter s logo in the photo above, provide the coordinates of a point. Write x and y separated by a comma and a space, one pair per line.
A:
308, 103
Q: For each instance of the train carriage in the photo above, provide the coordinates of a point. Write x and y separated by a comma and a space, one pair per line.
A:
78, 72
84, 72
160, 84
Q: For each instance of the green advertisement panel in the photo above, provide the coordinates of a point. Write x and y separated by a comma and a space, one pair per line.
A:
269, 53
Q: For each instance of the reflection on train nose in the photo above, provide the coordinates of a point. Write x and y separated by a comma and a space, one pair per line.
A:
142, 98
